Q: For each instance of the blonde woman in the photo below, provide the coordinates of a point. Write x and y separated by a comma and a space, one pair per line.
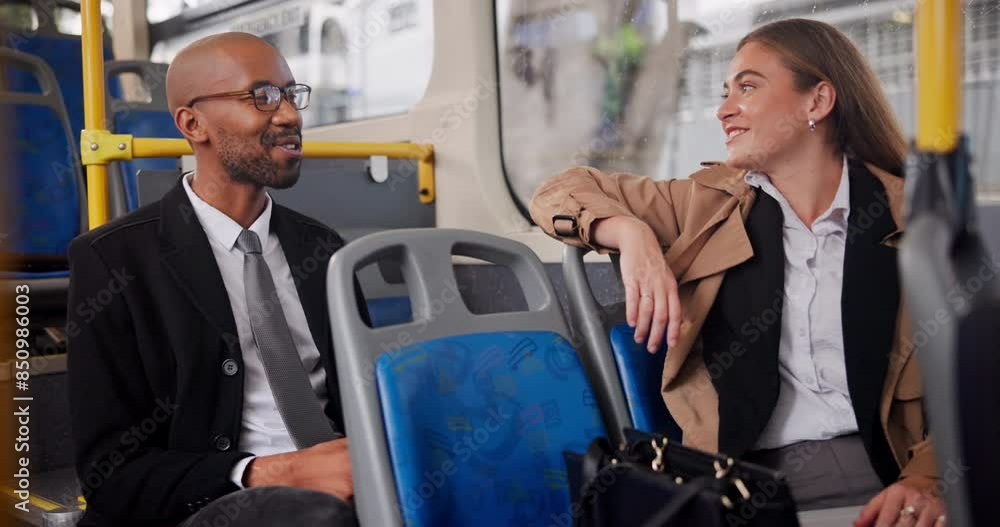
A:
773, 278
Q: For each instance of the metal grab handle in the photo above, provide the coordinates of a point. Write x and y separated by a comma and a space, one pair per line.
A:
429, 273
153, 76
50, 95
924, 255
597, 356
940, 251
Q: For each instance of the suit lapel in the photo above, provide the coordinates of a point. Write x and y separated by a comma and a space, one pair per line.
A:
869, 308
188, 256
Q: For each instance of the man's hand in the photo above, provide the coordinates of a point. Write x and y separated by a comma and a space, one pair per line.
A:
325, 467
904, 505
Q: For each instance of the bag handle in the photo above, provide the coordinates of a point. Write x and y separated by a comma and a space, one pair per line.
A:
593, 460
684, 496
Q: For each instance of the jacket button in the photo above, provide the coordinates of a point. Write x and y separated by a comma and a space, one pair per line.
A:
222, 443
230, 367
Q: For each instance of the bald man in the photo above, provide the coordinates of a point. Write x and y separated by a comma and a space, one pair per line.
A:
203, 389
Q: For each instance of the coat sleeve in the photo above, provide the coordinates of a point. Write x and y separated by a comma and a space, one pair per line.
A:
921, 469
567, 205
119, 428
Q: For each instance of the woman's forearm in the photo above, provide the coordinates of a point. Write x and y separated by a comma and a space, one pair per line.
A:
621, 232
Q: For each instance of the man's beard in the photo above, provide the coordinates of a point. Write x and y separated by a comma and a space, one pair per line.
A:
246, 163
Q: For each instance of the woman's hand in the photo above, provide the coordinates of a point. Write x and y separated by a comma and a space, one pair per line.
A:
903, 505
652, 306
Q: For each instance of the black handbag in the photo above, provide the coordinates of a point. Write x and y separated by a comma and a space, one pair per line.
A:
650, 481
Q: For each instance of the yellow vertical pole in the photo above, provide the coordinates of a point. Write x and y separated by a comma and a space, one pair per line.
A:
939, 74
93, 106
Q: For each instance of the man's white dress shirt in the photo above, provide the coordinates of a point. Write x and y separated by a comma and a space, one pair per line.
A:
262, 431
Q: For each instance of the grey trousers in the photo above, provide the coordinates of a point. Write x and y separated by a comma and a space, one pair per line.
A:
266, 506
824, 474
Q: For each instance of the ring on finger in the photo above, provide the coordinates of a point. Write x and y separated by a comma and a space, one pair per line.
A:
909, 510
645, 295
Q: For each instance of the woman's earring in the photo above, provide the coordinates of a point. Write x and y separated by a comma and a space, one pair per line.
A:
812, 125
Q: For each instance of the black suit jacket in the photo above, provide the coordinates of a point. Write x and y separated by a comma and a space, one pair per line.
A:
155, 364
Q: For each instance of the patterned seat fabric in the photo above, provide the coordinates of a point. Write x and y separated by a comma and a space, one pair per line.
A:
477, 424
64, 54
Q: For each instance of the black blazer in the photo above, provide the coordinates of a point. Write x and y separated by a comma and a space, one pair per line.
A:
752, 293
155, 365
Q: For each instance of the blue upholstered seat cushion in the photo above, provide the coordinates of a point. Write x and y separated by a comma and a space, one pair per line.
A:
43, 184
641, 373
477, 424
143, 123
389, 311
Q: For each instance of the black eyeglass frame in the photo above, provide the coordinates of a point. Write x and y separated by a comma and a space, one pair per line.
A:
286, 93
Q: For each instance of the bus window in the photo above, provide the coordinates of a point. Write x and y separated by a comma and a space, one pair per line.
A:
362, 59
19, 17
64, 19
633, 86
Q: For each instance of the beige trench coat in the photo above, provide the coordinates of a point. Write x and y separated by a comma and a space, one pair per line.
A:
700, 223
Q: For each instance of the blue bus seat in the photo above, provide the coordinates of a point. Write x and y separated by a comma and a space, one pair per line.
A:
458, 418
44, 185
149, 118
626, 376
489, 414
64, 54
45, 182
383, 287
389, 311
641, 373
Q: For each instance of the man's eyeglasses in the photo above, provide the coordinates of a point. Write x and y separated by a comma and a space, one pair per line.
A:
267, 98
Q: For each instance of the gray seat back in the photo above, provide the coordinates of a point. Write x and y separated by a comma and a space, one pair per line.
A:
140, 118
592, 322
941, 256
438, 311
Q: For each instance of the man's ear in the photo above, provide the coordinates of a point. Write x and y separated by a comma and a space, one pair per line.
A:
824, 97
190, 124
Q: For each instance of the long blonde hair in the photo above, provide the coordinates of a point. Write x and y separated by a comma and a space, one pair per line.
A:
862, 123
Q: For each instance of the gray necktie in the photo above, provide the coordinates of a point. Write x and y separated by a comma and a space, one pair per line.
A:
297, 403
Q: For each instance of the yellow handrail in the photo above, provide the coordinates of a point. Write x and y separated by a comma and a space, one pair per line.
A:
102, 147
98, 146
938, 33
92, 41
